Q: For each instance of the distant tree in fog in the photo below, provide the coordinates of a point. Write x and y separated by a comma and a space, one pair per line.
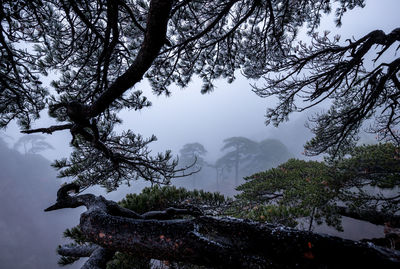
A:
192, 156
239, 150
192, 153
246, 156
32, 144
269, 153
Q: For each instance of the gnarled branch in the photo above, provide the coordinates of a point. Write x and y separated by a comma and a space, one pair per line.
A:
221, 242
98, 256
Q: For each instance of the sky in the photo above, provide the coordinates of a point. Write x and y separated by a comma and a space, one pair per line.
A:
231, 109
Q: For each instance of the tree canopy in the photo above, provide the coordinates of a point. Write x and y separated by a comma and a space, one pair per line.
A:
359, 90
240, 150
101, 49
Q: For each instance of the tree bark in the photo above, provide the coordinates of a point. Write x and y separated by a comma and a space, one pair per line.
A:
217, 242
98, 256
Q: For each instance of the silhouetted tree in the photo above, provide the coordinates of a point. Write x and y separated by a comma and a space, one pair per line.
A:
102, 49
359, 90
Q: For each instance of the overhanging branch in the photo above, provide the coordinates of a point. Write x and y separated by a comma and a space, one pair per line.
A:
48, 130
154, 39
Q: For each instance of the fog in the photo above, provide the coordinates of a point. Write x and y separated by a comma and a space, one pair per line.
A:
231, 110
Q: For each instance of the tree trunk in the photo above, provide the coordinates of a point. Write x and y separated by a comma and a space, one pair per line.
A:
217, 242
217, 177
237, 166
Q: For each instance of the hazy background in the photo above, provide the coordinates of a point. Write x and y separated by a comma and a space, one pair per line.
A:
28, 184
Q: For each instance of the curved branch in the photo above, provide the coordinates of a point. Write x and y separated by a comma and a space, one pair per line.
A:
325, 70
131, 15
98, 256
98, 259
154, 39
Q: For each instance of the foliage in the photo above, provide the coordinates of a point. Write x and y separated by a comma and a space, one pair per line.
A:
126, 261
299, 191
379, 165
241, 149
88, 165
359, 92
296, 189
75, 234
158, 198
274, 214
269, 153
369, 175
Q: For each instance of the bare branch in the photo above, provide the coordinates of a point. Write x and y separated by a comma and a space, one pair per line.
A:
48, 130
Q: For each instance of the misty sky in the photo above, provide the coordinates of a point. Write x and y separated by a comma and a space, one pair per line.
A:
232, 109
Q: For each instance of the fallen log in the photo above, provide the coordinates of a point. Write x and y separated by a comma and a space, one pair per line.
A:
218, 242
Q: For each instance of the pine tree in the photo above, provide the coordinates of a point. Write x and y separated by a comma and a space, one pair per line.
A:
362, 186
